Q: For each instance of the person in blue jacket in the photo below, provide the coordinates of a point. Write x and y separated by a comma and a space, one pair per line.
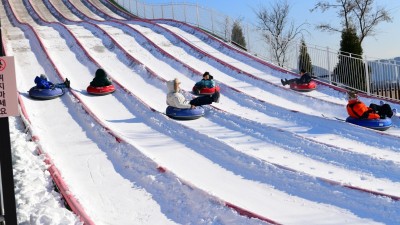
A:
206, 82
43, 83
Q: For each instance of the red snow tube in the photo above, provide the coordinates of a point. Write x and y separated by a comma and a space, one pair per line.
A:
100, 90
205, 91
303, 87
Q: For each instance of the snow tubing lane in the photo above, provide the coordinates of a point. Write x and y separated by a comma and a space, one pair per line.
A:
185, 114
100, 90
377, 124
304, 87
45, 94
205, 91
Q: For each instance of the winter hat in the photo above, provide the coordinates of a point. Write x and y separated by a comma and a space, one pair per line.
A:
302, 71
43, 76
352, 95
205, 74
100, 73
176, 83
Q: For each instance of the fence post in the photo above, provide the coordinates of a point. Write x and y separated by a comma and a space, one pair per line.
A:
297, 66
227, 37
248, 38
329, 65
184, 11
397, 91
367, 75
137, 8
212, 21
197, 14
172, 8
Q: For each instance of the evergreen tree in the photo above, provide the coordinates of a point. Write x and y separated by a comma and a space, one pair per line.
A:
350, 69
304, 58
237, 35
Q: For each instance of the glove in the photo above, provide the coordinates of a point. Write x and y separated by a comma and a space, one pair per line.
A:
67, 83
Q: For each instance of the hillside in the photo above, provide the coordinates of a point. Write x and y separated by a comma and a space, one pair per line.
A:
263, 154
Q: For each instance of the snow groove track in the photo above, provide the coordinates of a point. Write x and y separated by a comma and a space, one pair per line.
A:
247, 153
134, 208
351, 186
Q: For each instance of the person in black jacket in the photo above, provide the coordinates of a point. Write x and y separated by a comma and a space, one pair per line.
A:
304, 79
101, 79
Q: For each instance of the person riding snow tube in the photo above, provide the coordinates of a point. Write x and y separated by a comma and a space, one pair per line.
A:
312, 85
45, 89
100, 85
205, 86
205, 90
374, 117
45, 94
100, 90
185, 114
377, 124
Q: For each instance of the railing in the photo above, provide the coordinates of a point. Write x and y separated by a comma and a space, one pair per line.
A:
374, 77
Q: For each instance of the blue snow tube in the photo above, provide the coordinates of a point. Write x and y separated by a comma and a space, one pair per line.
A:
377, 124
45, 94
185, 114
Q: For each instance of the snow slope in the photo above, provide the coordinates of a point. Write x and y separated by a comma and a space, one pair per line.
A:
264, 150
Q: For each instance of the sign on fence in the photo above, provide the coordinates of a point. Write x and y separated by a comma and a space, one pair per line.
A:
8, 87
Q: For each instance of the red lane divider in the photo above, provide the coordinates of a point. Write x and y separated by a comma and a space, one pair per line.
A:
72, 202
55, 174
396, 198
161, 169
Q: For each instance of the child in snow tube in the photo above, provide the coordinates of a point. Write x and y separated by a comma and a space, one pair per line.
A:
374, 116
206, 85
180, 108
101, 84
45, 89
304, 83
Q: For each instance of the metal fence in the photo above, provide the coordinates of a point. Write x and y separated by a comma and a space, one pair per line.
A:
372, 76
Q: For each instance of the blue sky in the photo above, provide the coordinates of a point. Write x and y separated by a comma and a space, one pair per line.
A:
383, 45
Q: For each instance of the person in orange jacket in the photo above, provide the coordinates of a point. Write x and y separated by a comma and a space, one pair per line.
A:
357, 109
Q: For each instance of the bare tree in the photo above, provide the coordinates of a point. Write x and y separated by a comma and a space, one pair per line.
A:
273, 21
358, 14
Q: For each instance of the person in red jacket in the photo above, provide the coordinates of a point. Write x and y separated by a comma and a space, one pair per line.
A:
357, 109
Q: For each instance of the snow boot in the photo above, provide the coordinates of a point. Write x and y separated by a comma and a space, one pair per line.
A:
215, 97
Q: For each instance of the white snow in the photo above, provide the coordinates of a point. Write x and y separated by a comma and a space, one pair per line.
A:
265, 149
